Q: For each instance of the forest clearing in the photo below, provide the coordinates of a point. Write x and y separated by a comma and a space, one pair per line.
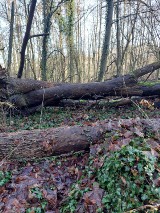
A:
79, 106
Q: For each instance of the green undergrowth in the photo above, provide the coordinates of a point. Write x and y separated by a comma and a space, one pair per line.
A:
5, 177
56, 116
37, 194
126, 178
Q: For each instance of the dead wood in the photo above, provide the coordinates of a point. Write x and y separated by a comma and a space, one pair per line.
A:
51, 96
150, 68
151, 90
55, 141
28, 93
95, 103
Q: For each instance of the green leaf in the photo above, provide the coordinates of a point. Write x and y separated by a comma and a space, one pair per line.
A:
144, 197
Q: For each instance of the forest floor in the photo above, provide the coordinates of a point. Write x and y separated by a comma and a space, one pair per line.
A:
105, 178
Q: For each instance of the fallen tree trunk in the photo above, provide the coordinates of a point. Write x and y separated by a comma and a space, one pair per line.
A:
96, 103
27, 93
150, 90
150, 68
50, 96
33, 101
139, 90
55, 141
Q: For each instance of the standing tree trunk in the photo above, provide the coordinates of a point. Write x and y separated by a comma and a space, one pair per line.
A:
158, 71
26, 37
46, 24
70, 38
118, 40
10, 39
48, 12
105, 50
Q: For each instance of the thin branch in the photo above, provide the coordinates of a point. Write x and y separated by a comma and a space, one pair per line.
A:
37, 35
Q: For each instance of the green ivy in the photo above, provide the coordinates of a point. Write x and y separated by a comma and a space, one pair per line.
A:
4, 177
127, 178
36, 191
43, 203
74, 196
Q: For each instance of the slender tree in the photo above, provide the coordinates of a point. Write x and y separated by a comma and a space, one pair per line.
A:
70, 37
26, 37
10, 38
118, 37
48, 10
47, 14
105, 49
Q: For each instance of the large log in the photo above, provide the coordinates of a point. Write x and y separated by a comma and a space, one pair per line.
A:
150, 90
21, 86
150, 68
55, 141
50, 96
27, 93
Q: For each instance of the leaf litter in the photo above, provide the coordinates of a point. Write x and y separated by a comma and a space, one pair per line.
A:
45, 185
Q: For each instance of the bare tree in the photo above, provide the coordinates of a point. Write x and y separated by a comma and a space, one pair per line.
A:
26, 37
105, 50
10, 38
47, 15
118, 37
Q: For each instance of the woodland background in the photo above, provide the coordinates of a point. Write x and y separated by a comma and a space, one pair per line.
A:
72, 50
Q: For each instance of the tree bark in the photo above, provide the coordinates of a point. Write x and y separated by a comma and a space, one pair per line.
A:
26, 37
150, 68
52, 95
26, 93
106, 43
118, 38
55, 141
94, 103
10, 39
46, 29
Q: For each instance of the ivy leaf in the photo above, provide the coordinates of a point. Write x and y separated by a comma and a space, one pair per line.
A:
144, 197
